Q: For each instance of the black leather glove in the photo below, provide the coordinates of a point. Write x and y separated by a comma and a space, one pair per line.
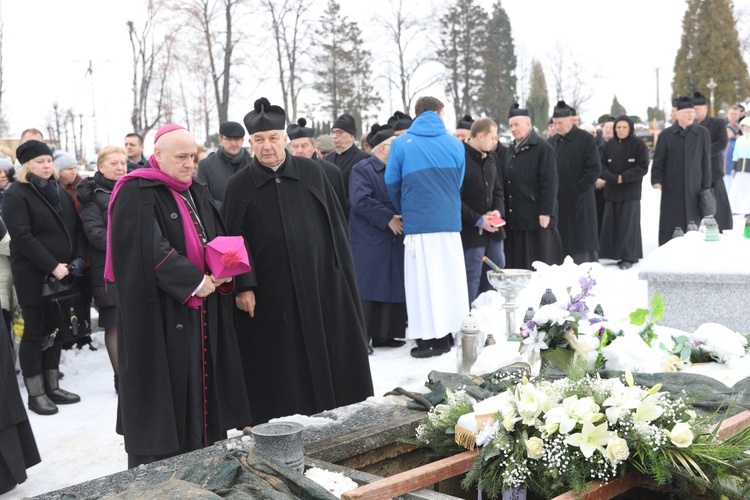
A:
75, 268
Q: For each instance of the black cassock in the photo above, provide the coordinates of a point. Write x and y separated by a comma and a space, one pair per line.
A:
305, 350
165, 349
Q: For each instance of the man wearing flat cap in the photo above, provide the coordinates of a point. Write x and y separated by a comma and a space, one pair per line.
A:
681, 169
301, 329
378, 244
718, 133
180, 373
302, 143
345, 154
216, 169
578, 168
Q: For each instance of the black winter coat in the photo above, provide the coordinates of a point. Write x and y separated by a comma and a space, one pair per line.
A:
154, 279
216, 169
718, 130
530, 177
94, 195
333, 174
481, 192
682, 165
578, 168
345, 161
627, 157
41, 238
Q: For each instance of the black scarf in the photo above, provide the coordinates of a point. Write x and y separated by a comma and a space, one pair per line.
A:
103, 182
235, 161
48, 189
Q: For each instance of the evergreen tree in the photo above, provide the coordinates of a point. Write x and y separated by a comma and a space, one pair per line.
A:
463, 37
538, 101
710, 48
499, 87
657, 113
333, 61
617, 109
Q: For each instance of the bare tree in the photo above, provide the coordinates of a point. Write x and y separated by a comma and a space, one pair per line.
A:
151, 61
573, 82
408, 34
216, 21
3, 120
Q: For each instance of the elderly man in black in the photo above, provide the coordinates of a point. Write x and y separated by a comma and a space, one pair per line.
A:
303, 342
345, 154
530, 177
578, 168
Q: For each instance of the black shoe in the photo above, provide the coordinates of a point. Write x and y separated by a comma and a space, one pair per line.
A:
388, 343
431, 347
39, 402
624, 264
57, 395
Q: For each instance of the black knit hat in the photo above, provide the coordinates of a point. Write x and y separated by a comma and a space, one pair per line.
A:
31, 149
232, 130
675, 101
346, 123
684, 102
400, 121
265, 117
465, 122
699, 99
517, 110
561, 110
298, 130
379, 133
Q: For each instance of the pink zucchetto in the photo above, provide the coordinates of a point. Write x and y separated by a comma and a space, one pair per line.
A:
170, 127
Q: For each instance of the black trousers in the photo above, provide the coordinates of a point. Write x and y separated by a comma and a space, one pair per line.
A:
33, 359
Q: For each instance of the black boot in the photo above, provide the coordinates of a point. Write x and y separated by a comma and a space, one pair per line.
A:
57, 395
38, 400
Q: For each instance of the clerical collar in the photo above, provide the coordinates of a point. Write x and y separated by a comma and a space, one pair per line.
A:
347, 149
279, 165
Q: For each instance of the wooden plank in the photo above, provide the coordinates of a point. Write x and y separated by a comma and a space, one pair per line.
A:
599, 490
414, 479
735, 424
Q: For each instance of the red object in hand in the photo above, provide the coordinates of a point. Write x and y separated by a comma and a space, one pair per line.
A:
496, 220
227, 256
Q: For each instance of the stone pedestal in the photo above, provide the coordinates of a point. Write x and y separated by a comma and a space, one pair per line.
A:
701, 282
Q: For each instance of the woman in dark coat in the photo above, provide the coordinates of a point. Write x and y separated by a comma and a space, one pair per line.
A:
624, 163
94, 193
18, 449
46, 239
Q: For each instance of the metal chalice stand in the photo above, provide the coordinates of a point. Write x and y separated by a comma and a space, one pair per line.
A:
509, 283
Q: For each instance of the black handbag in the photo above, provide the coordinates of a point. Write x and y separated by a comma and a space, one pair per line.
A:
64, 312
707, 202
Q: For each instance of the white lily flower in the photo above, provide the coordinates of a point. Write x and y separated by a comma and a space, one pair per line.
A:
535, 342
649, 410
591, 438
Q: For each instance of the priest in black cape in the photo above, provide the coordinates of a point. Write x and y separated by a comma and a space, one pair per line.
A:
181, 380
302, 143
346, 154
578, 168
300, 323
718, 131
681, 169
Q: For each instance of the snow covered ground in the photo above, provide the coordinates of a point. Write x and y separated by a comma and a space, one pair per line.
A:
79, 443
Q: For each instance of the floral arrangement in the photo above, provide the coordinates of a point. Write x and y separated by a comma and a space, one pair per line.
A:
554, 333
554, 436
710, 342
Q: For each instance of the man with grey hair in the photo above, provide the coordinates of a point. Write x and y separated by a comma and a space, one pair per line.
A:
376, 231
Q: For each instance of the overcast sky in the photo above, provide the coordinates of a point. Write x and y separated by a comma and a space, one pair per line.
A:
48, 45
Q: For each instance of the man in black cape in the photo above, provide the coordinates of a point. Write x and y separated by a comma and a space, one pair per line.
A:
681, 170
300, 325
718, 132
181, 381
578, 168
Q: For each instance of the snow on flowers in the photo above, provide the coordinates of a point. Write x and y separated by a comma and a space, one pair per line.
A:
553, 436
